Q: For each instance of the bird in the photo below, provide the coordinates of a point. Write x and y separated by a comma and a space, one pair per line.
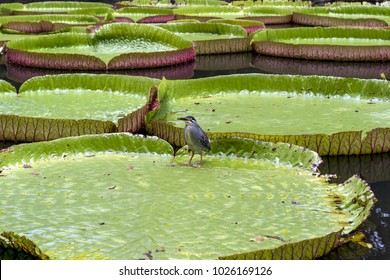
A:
196, 139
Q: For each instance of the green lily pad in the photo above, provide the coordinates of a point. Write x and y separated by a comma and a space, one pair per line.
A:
212, 38
248, 199
68, 19
269, 14
204, 12
249, 25
44, 23
164, 3
146, 14
340, 44
332, 116
368, 16
51, 107
113, 46
196, 31
57, 7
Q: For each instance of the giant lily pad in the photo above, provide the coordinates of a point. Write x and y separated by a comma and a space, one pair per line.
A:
341, 44
364, 16
146, 14
249, 199
52, 107
165, 3
56, 7
205, 13
212, 38
249, 25
267, 15
43, 23
113, 46
333, 116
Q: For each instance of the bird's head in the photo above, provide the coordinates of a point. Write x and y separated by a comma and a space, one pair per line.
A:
188, 119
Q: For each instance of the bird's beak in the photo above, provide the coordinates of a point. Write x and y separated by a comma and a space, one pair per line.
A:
182, 119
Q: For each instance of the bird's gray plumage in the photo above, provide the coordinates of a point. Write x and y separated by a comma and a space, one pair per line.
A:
196, 139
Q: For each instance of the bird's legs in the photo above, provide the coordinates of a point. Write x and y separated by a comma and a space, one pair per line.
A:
192, 155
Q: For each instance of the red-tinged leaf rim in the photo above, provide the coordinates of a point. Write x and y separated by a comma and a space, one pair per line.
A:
276, 43
55, 7
358, 16
33, 27
147, 14
69, 19
223, 37
323, 20
25, 51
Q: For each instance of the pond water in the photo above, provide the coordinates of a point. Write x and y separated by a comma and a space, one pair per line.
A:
375, 169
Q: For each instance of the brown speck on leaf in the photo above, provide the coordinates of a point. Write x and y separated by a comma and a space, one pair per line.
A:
196, 103
27, 165
257, 239
112, 188
228, 122
295, 202
107, 174
130, 167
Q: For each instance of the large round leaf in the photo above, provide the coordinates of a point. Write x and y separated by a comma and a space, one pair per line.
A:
118, 196
332, 116
59, 7
51, 107
113, 46
340, 44
44, 23
146, 14
211, 37
360, 16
